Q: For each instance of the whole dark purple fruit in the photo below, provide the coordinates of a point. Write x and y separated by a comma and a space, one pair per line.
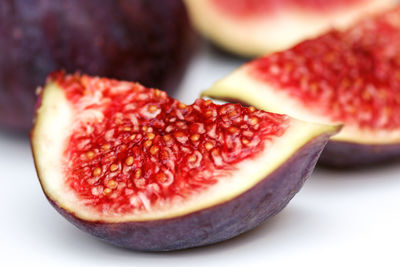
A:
141, 40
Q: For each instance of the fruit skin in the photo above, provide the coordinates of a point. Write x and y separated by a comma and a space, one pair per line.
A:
217, 223
147, 41
338, 154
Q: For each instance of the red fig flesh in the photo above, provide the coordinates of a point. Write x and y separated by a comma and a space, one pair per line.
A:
258, 27
349, 77
144, 171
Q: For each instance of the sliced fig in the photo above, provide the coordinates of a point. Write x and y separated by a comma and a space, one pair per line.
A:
350, 77
257, 27
141, 170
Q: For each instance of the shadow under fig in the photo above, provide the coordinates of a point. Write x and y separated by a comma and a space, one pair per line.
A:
219, 52
13, 136
372, 171
56, 230
266, 232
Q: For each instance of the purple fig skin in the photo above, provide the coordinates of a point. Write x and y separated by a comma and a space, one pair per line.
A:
148, 41
347, 155
216, 223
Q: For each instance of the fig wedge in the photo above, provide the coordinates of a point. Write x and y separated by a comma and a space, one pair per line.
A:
350, 77
257, 27
143, 171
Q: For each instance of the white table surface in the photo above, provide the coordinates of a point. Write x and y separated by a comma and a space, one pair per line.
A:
338, 219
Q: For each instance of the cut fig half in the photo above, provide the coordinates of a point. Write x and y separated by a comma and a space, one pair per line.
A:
350, 77
141, 170
257, 27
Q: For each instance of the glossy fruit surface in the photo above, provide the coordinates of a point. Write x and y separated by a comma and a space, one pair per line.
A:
147, 41
144, 171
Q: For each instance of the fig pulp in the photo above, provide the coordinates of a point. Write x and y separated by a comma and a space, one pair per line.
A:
142, 40
257, 27
141, 170
350, 77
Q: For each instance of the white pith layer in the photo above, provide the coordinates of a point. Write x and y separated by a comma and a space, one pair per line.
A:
55, 120
275, 32
239, 85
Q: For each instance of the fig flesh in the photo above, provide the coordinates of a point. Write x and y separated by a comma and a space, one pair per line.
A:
349, 77
141, 170
143, 40
257, 27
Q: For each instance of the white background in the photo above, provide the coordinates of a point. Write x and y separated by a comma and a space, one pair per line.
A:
340, 218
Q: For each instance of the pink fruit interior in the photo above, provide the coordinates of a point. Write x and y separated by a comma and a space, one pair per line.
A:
258, 8
151, 149
351, 77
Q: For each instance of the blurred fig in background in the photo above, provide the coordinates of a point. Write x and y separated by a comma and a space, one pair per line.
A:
257, 27
143, 40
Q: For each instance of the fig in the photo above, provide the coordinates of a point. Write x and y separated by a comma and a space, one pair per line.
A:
143, 40
350, 77
256, 27
143, 171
